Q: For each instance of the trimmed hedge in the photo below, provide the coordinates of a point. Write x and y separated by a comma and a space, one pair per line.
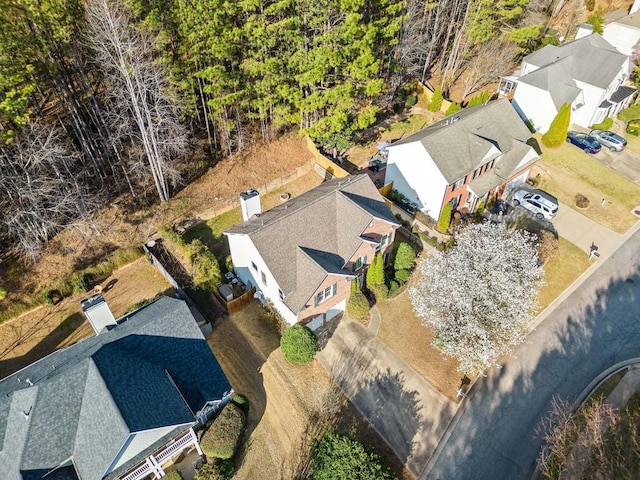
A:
633, 127
222, 437
402, 276
557, 133
605, 125
358, 305
299, 344
445, 218
173, 475
404, 257
241, 401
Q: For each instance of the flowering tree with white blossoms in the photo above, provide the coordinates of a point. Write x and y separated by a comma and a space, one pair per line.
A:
480, 296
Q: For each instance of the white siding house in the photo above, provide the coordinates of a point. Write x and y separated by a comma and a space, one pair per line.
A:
462, 159
622, 30
588, 74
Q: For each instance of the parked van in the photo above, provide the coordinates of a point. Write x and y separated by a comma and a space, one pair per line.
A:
537, 201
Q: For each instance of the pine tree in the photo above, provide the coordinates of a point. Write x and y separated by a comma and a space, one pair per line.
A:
453, 108
436, 101
445, 218
557, 132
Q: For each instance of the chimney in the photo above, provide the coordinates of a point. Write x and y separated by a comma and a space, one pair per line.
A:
635, 7
584, 29
98, 313
250, 204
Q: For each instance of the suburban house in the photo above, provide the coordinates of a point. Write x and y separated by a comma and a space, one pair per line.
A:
117, 405
587, 73
463, 159
622, 29
303, 255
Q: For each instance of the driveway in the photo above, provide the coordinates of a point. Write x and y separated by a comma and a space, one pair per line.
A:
401, 405
626, 163
593, 327
584, 232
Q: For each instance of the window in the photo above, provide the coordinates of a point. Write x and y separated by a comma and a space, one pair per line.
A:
476, 172
359, 263
281, 293
328, 292
384, 241
263, 277
254, 266
458, 183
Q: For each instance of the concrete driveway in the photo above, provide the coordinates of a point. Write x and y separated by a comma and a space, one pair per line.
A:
401, 405
626, 163
584, 232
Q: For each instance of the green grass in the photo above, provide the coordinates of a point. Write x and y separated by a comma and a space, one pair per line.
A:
629, 113
210, 233
566, 171
405, 127
561, 271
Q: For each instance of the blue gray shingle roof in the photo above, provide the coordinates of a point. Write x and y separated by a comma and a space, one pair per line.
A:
154, 370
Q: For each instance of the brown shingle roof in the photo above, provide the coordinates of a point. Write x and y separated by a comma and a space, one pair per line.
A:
315, 234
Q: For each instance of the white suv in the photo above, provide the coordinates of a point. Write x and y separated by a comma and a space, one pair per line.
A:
537, 201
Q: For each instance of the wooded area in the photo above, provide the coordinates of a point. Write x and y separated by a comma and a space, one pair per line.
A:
100, 98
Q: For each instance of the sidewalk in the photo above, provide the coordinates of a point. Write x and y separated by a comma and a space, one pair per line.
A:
584, 232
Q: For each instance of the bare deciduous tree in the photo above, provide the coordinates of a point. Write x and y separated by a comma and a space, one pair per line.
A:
488, 62
42, 191
140, 106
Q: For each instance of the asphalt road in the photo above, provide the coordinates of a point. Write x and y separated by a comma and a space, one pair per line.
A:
593, 328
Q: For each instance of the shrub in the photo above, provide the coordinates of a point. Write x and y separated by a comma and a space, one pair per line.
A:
404, 257
379, 291
393, 288
241, 401
547, 245
411, 100
299, 344
581, 201
173, 475
453, 108
395, 196
445, 218
228, 263
336, 456
606, 124
358, 305
222, 437
591, 4
557, 133
3, 293
79, 283
596, 19
479, 99
436, 101
402, 276
633, 127
375, 272
210, 471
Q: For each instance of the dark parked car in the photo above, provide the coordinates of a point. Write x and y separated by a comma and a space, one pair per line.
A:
608, 139
409, 206
583, 141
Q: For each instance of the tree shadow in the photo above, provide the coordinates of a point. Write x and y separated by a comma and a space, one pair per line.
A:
43, 348
595, 328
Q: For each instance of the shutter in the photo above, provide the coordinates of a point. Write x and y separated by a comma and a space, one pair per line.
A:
364, 260
335, 288
315, 301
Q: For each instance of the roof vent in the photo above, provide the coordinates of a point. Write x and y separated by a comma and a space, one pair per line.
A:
98, 313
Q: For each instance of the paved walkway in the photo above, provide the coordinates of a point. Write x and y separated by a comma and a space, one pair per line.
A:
401, 405
584, 232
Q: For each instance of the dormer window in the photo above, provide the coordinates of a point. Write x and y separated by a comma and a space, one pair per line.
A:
359, 263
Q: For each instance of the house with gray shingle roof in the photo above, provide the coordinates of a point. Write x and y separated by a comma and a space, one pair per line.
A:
118, 405
622, 29
588, 73
463, 160
302, 255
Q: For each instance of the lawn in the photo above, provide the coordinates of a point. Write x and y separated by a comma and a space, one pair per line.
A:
403, 333
629, 113
566, 171
211, 231
561, 271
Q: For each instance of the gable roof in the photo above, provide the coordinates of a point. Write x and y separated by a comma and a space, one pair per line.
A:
590, 59
315, 234
460, 146
155, 369
620, 16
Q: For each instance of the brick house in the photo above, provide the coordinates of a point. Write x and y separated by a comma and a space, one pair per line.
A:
302, 255
464, 159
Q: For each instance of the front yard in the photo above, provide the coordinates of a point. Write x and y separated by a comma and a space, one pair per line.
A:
566, 171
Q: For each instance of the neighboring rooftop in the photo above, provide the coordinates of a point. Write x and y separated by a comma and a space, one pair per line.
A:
580, 57
461, 142
315, 234
620, 16
152, 372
